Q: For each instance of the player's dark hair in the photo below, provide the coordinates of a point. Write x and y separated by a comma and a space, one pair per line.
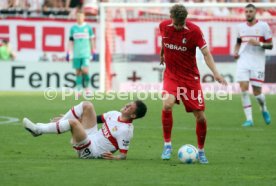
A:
141, 109
178, 12
250, 6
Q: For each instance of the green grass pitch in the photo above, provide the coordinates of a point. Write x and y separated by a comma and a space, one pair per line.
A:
237, 156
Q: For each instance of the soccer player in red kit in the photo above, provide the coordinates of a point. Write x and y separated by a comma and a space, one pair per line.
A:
180, 38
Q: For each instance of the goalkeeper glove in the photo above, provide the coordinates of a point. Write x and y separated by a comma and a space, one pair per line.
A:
67, 57
93, 55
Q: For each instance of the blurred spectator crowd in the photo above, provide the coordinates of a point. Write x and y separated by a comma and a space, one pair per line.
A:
45, 7
68, 7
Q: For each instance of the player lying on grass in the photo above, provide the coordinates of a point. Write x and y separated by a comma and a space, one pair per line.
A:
87, 140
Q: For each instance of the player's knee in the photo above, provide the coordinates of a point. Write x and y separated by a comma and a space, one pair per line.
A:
257, 92
87, 105
168, 106
200, 118
78, 72
74, 123
85, 72
244, 87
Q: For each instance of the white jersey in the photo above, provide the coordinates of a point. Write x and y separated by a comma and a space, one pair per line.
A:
114, 134
253, 57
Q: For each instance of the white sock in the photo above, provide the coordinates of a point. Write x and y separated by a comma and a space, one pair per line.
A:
200, 150
74, 113
56, 128
261, 100
84, 142
246, 103
168, 143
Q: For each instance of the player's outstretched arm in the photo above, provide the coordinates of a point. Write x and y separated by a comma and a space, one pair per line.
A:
110, 156
211, 64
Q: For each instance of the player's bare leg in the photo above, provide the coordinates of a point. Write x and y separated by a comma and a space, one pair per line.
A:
85, 113
257, 91
201, 131
167, 123
78, 132
246, 102
89, 117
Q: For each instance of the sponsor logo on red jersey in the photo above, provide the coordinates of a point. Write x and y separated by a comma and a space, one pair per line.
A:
175, 47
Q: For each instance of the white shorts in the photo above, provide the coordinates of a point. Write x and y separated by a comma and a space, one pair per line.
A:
256, 77
87, 148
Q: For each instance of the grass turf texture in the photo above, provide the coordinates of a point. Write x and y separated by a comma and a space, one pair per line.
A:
237, 156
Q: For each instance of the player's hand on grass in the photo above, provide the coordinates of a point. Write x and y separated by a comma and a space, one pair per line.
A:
254, 42
220, 79
108, 156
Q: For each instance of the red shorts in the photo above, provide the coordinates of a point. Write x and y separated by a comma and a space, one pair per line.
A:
189, 93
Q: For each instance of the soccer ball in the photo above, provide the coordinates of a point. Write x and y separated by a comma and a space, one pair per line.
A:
188, 154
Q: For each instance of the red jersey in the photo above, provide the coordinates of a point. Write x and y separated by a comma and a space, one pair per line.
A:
180, 50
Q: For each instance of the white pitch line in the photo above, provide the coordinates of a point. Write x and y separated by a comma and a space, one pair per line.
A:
8, 120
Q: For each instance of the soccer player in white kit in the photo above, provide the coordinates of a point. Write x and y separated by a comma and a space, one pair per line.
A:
87, 140
253, 38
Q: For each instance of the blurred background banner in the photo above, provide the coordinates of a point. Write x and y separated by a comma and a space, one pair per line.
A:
127, 44
38, 39
44, 39
137, 77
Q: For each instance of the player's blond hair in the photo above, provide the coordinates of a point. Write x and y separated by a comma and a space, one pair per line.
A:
178, 12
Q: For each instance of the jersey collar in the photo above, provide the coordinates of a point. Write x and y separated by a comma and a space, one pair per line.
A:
185, 26
127, 122
83, 24
253, 24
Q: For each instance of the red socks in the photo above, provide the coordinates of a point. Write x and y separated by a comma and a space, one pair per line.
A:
201, 130
167, 122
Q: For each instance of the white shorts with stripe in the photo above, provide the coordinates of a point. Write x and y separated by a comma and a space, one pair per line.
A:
254, 76
87, 148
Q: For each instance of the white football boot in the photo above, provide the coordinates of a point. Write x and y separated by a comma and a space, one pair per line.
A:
31, 127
